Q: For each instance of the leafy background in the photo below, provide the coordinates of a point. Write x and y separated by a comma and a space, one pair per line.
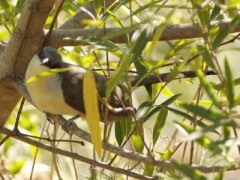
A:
199, 127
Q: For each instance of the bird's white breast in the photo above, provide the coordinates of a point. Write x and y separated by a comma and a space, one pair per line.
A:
46, 92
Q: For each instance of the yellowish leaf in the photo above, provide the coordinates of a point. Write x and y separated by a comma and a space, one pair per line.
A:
46, 74
90, 97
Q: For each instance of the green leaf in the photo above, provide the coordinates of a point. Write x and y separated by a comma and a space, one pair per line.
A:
142, 70
215, 12
226, 132
229, 84
237, 81
6, 6
160, 122
20, 3
233, 3
137, 140
222, 34
139, 45
208, 114
202, 11
188, 128
46, 74
188, 171
134, 53
126, 126
17, 166
171, 100
166, 155
98, 5
208, 88
159, 107
118, 73
199, 137
204, 52
148, 170
192, 119
143, 109
220, 174
119, 135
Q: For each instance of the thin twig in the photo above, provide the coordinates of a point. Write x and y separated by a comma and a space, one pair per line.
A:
75, 156
53, 22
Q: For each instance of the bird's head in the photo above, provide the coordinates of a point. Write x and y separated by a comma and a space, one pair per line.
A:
50, 58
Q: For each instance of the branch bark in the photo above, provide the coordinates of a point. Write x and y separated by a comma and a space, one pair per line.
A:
73, 128
25, 41
75, 156
118, 151
171, 32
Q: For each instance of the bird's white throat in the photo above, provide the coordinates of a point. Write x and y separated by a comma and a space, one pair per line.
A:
46, 92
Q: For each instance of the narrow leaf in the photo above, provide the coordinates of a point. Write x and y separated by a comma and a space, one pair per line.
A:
229, 84
208, 88
160, 122
148, 170
98, 5
215, 12
204, 52
92, 111
192, 119
188, 171
119, 135
143, 109
46, 74
208, 114
166, 155
222, 34
171, 100
137, 140
126, 126
134, 53
159, 107
142, 70
20, 4
118, 73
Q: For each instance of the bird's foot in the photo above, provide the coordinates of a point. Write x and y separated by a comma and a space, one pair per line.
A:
124, 111
70, 123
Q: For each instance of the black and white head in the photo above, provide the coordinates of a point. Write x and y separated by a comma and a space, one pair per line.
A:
50, 57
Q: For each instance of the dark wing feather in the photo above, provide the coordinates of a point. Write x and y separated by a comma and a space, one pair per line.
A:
72, 85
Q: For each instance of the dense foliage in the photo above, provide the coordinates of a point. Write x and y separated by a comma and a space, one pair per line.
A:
189, 126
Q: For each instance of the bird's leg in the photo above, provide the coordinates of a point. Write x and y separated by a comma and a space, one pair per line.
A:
68, 123
122, 111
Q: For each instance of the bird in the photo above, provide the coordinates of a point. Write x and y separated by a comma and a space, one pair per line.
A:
62, 92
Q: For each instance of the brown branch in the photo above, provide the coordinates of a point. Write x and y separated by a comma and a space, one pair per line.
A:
75, 22
73, 128
24, 42
171, 32
132, 155
74, 155
53, 21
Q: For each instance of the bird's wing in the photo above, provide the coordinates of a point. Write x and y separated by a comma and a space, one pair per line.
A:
72, 85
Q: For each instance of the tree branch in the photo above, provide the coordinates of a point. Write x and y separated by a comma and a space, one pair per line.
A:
24, 42
171, 32
75, 22
74, 156
73, 128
